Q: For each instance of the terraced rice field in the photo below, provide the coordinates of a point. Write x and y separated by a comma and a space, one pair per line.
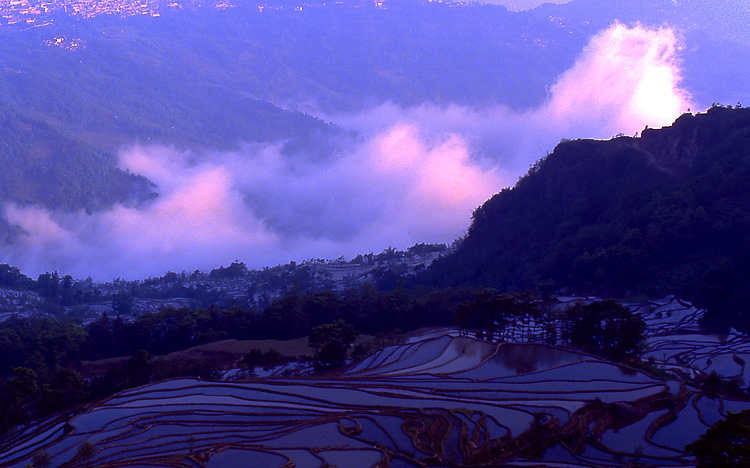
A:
18, 303
676, 344
440, 399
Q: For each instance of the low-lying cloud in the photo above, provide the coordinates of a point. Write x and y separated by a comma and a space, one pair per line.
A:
625, 79
415, 176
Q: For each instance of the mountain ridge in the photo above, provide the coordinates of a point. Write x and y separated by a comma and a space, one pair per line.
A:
664, 213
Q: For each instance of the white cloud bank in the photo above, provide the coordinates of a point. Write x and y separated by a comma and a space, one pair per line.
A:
416, 177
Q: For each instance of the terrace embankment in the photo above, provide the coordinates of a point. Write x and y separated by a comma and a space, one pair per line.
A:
437, 399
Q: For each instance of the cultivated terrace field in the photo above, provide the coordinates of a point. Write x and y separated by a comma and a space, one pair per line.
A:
440, 398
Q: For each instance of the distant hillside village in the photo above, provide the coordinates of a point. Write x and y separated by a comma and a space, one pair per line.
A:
40, 12
231, 286
33, 11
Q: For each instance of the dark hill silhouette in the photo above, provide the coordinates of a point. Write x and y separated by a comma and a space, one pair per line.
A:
668, 212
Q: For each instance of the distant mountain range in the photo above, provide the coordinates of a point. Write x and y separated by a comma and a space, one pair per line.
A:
76, 90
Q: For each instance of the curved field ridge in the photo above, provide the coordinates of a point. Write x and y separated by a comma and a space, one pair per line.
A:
442, 400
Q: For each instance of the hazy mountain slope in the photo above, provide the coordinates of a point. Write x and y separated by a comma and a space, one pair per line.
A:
667, 212
337, 56
207, 78
48, 166
71, 95
77, 90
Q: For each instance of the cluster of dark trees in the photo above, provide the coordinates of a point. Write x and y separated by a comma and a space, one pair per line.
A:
291, 316
22, 397
257, 358
56, 292
65, 296
605, 328
331, 342
726, 444
666, 213
27, 394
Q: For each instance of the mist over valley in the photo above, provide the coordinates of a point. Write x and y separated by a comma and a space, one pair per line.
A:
138, 145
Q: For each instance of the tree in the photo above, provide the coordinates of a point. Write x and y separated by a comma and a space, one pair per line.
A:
12, 277
285, 318
267, 360
322, 307
19, 399
492, 312
85, 452
48, 285
66, 294
139, 368
726, 444
42, 460
605, 328
235, 270
122, 302
331, 341
66, 388
482, 312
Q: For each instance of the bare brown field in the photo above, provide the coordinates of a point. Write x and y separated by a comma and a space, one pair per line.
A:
219, 354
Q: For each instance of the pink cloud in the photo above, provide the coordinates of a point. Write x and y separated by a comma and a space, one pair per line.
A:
626, 78
416, 176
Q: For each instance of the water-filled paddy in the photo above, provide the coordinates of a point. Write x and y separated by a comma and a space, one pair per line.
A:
450, 392
685, 429
631, 438
359, 458
232, 458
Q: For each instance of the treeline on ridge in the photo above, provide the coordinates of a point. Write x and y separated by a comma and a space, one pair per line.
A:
48, 343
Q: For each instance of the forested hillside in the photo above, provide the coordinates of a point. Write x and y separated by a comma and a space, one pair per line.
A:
668, 212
